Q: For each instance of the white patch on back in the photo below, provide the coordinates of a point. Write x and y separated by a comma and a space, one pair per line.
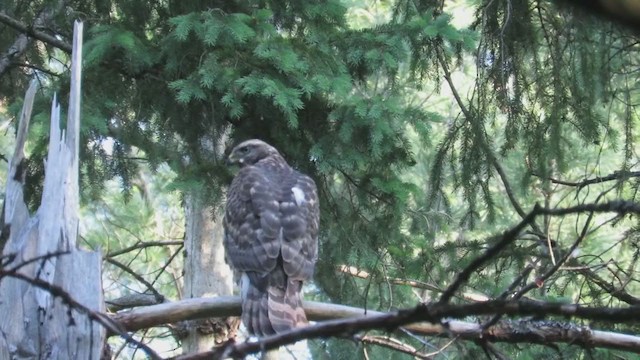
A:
298, 195
244, 285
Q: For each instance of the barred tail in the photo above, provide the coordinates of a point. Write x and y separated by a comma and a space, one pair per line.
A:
276, 309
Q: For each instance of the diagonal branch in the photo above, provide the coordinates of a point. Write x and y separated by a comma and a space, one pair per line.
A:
425, 319
505, 239
159, 297
31, 31
22, 41
618, 293
104, 320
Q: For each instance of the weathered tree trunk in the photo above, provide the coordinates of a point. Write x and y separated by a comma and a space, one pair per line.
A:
46, 269
205, 273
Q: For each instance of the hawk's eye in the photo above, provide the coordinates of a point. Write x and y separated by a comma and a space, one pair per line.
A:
244, 150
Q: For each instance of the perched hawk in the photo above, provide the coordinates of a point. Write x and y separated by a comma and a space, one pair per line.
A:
271, 236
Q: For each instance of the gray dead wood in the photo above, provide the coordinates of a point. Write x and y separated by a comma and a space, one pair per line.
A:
35, 324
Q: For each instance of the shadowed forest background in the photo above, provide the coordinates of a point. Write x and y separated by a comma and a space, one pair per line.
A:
430, 127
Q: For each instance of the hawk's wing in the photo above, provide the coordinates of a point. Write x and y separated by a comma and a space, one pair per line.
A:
271, 231
300, 216
252, 223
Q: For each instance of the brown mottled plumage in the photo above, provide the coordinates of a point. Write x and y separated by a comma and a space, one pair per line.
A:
271, 236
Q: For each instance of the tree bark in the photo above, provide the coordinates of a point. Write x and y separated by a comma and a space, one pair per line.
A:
206, 274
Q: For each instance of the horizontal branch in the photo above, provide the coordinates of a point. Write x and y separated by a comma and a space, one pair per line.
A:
130, 301
618, 175
622, 207
353, 320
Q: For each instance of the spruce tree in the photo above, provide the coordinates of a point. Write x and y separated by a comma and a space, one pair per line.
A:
411, 186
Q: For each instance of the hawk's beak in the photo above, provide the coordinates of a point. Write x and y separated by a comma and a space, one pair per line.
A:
229, 160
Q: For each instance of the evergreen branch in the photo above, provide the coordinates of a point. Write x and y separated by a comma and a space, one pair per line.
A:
32, 31
492, 158
626, 13
356, 321
505, 294
509, 331
142, 245
229, 306
507, 186
22, 41
557, 265
102, 319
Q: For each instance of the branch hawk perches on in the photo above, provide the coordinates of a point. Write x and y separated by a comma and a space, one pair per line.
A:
271, 236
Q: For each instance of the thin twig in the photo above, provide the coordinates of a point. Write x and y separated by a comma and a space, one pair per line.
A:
138, 277
142, 245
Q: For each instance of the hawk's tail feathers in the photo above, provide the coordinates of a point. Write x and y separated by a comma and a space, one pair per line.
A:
274, 308
285, 307
255, 312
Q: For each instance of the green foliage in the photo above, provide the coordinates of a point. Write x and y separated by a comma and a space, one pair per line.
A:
416, 175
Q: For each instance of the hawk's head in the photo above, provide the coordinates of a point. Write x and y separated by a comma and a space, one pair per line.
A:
250, 152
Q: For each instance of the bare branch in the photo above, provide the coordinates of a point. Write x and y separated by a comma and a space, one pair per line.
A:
149, 286
143, 245
131, 301
394, 344
509, 331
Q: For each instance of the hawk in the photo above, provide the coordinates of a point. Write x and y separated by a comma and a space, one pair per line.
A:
271, 236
